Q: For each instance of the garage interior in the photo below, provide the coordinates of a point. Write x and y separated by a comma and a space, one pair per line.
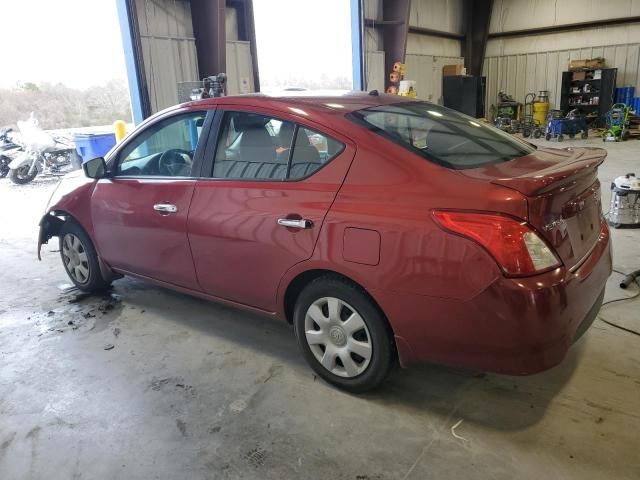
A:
143, 382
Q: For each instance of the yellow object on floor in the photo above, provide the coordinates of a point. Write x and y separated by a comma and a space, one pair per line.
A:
120, 130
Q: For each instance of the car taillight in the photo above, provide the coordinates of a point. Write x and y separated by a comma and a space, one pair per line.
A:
513, 243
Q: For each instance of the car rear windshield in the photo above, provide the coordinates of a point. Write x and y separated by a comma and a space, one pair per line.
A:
441, 135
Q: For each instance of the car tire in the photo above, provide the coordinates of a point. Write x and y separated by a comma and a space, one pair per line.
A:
354, 332
80, 259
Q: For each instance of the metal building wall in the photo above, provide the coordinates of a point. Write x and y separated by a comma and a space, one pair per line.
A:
168, 47
239, 68
426, 70
441, 15
520, 74
530, 63
426, 54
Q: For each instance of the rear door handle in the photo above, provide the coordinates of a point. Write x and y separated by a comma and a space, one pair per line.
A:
293, 223
165, 208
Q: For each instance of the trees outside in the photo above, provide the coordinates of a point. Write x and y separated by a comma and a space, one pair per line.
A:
57, 106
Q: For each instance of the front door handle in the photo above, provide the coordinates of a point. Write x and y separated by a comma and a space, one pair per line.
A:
165, 208
295, 223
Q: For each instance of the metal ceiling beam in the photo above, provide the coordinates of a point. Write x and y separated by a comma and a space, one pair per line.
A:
477, 18
566, 28
395, 29
435, 33
247, 33
371, 23
209, 29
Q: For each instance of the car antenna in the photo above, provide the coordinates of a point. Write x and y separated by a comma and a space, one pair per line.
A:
374, 93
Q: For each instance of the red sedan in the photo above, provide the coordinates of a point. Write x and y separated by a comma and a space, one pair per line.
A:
382, 228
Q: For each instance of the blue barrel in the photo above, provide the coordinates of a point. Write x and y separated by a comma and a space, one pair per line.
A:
618, 95
626, 95
92, 145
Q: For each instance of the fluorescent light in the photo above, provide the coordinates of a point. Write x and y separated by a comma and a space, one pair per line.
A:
299, 111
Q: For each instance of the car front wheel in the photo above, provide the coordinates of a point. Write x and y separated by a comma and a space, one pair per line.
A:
80, 259
343, 334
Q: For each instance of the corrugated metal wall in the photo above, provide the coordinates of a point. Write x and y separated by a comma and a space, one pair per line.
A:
523, 64
426, 55
443, 15
239, 68
168, 46
426, 70
520, 74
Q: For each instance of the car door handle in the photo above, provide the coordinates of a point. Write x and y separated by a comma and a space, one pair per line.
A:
165, 208
293, 223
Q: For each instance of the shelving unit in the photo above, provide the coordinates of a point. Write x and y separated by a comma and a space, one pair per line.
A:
600, 84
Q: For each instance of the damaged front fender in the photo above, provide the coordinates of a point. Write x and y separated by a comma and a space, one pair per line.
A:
49, 227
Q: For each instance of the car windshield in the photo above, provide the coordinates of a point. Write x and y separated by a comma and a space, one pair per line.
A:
441, 135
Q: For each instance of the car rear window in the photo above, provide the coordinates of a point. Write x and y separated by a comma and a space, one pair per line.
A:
441, 135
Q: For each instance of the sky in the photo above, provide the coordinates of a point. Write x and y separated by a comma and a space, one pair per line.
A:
78, 42
304, 38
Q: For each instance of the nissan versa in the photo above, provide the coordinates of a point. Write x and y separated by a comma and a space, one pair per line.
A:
381, 227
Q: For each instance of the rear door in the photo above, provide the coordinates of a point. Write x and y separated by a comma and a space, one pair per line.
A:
262, 207
140, 212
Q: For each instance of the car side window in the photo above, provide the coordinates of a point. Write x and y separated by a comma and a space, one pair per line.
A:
311, 151
253, 147
166, 149
257, 147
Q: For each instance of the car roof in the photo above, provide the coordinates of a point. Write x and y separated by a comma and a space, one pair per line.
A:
323, 101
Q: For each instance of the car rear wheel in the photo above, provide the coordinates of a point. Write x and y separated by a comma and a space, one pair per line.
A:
343, 334
80, 259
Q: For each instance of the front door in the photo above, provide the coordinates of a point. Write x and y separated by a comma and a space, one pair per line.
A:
140, 212
261, 211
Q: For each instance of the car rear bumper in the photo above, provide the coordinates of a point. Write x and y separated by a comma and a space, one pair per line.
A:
517, 325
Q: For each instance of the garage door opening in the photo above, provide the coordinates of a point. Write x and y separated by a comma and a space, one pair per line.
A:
303, 44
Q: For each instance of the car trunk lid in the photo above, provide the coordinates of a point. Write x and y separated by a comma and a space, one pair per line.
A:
563, 195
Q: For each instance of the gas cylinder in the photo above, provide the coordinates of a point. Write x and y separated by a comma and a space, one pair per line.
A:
541, 107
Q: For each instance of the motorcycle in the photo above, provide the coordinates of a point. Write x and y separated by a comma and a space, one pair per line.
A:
43, 154
8, 148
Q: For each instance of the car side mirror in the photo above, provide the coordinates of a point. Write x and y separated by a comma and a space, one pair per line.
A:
95, 168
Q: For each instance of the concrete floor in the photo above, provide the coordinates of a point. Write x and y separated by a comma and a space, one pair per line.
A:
196, 390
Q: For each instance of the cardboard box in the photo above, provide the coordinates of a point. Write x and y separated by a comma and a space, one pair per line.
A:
579, 76
451, 70
586, 63
577, 64
595, 63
